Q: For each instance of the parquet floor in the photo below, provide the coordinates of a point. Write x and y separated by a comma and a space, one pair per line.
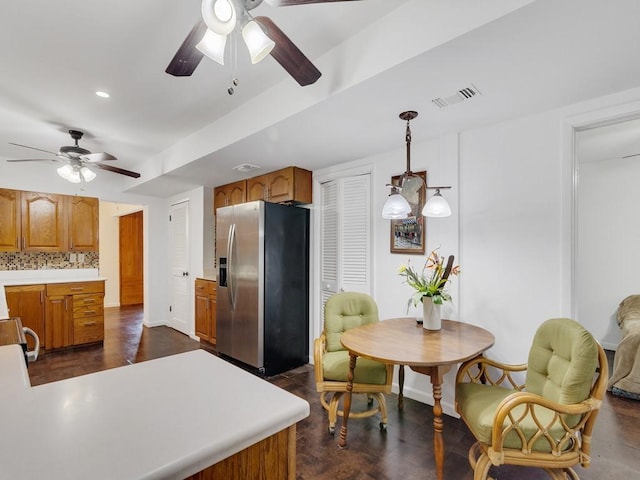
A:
403, 452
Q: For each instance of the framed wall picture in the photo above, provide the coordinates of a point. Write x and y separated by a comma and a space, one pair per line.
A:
408, 235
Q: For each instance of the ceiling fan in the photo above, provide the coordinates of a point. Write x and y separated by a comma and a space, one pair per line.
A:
221, 18
77, 160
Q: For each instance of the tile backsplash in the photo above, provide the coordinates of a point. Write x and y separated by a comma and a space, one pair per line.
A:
43, 260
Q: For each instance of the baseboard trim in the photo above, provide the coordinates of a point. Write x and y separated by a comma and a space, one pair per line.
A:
448, 408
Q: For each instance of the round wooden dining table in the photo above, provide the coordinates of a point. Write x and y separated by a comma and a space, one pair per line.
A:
401, 341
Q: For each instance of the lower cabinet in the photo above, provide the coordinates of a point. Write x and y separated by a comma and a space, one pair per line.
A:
74, 313
206, 310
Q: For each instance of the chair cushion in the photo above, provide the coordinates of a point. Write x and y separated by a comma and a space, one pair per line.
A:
562, 361
346, 310
478, 404
336, 368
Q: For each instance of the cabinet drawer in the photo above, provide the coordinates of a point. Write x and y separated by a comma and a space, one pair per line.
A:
212, 289
81, 310
202, 286
74, 288
87, 330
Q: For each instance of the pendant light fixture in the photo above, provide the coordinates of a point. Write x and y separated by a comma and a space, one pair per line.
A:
407, 192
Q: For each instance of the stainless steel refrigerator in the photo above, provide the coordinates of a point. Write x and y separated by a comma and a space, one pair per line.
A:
263, 286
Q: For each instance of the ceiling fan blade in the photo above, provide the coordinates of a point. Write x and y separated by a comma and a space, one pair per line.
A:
97, 157
33, 148
121, 171
188, 57
286, 3
36, 160
288, 55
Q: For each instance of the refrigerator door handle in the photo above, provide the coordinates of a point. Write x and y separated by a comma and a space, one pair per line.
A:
231, 266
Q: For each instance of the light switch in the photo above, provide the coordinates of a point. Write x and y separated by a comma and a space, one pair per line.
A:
81, 258
72, 258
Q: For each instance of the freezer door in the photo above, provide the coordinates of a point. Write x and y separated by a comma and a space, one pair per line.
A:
224, 310
239, 246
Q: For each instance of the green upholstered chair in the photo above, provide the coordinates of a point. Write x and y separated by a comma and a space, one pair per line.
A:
343, 311
548, 420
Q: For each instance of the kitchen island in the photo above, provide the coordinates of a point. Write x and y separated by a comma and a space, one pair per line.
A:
191, 415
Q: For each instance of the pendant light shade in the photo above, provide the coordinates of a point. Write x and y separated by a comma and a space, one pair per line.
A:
212, 45
437, 206
396, 206
257, 42
219, 15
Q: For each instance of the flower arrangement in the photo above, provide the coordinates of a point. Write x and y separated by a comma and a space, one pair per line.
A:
432, 280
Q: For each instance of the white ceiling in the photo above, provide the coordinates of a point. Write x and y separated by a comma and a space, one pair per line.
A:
378, 58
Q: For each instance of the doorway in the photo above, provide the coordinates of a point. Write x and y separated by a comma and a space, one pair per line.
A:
131, 259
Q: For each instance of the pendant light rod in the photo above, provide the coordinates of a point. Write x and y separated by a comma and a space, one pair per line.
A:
408, 116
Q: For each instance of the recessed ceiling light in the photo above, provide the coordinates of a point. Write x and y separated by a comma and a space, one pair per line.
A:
102, 94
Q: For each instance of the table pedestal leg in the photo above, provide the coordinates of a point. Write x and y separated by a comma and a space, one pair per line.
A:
436, 374
401, 387
342, 441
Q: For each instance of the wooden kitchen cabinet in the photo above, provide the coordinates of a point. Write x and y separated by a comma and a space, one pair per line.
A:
10, 225
229, 194
74, 313
83, 221
205, 298
44, 222
291, 184
27, 302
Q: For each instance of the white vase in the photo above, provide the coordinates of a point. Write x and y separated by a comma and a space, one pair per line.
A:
431, 315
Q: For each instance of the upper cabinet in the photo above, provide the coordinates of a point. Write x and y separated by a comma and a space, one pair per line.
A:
83, 224
230, 194
44, 222
10, 229
291, 184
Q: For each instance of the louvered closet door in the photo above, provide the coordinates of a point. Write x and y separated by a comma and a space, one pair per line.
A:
346, 236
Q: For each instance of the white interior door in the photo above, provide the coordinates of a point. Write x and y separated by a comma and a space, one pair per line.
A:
180, 280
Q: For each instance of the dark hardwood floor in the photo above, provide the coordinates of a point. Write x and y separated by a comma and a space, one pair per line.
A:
404, 451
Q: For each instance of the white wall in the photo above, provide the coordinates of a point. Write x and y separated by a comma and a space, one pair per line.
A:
608, 241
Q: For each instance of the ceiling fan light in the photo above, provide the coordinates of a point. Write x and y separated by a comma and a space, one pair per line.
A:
219, 15
87, 174
212, 45
396, 206
437, 206
257, 42
65, 171
74, 176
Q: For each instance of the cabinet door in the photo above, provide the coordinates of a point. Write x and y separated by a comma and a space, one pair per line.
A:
291, 184
220, 197
83, 224
237, 192
58, 321
43, 222
257, 188
10, 223
202, 310
27, 302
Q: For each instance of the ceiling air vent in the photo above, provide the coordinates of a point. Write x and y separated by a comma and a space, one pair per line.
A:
463, 94
246, 167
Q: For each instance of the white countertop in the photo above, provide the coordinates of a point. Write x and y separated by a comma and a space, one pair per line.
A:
162, 419
36, 277
13, 370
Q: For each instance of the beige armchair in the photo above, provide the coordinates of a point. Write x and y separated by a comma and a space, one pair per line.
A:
548, 420
341, 312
